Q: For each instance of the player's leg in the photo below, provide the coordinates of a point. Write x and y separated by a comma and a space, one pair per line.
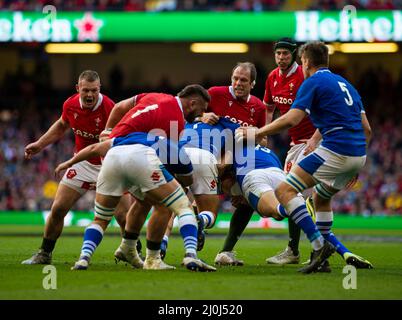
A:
136, 216
110, 187
322, 196
204, 189
64, 200
172, 196
287, 193
291, 253
165, 240
104, 211
121, 210
155, 232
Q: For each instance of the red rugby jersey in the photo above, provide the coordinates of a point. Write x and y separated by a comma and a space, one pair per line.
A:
157, 112
87, 124
246, 113
280, 91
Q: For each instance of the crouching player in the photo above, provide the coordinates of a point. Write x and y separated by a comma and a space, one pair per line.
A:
128, 165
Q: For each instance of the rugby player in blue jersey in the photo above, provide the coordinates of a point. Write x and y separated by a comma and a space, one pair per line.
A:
336, 109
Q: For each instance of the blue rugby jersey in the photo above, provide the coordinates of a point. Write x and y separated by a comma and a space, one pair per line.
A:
335, 108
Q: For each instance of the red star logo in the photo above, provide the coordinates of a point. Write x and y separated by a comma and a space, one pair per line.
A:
88, 27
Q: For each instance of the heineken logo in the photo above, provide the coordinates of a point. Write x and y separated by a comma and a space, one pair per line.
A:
21, 29
313, 26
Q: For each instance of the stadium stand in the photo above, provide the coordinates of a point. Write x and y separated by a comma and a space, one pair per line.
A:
198, 5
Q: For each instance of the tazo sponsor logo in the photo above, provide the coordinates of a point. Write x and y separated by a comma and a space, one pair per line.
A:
282, 100
312, 25
85, 134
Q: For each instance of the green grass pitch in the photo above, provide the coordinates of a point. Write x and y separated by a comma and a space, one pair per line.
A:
256, 280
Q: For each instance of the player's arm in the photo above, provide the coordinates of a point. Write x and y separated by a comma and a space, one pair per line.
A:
312, 143
94, 150
367, 128
53, 134
286, 121
208, 117
117, 113
270, 112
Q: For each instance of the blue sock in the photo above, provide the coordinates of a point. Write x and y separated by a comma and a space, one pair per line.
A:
188, 230
298, 213
324, 224
92, 238
282, 211
208, 218
164, 243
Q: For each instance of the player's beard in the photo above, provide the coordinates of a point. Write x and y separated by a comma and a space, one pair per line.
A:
191, 116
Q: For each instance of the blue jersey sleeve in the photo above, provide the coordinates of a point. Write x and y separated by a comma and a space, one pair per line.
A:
305, 96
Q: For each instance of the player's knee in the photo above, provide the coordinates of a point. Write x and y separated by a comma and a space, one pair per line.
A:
177, 202
59, 210
283, 192
103, 213
102, 223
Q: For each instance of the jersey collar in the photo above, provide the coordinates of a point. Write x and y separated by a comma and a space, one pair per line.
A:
234, 96
323, 70
100, 99
291, 71
180, 105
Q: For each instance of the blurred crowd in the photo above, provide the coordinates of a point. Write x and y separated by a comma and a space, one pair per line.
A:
197, 5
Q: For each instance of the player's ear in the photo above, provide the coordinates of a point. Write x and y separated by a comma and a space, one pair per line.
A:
253, 84
77, 88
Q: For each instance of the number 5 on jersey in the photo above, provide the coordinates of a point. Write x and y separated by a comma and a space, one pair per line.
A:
348, 100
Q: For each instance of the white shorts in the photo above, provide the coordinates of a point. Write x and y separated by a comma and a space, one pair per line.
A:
259, 181
205, 172
131, 166
331, 168
81, 176
294, 155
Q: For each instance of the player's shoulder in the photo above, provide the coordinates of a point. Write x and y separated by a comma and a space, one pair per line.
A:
72, 101
299, 72
274, 73
257, 101
107, 101
218, 90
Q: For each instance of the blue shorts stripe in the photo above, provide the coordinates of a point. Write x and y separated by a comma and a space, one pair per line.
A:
166, 174
311, 163
253, 200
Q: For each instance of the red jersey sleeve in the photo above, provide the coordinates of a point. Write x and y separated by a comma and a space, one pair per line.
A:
64, 115
138, 97
267, 95
261, 116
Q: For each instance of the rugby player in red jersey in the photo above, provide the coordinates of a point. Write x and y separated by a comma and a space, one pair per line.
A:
281, 88
86, 113
237, 104
159, 114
